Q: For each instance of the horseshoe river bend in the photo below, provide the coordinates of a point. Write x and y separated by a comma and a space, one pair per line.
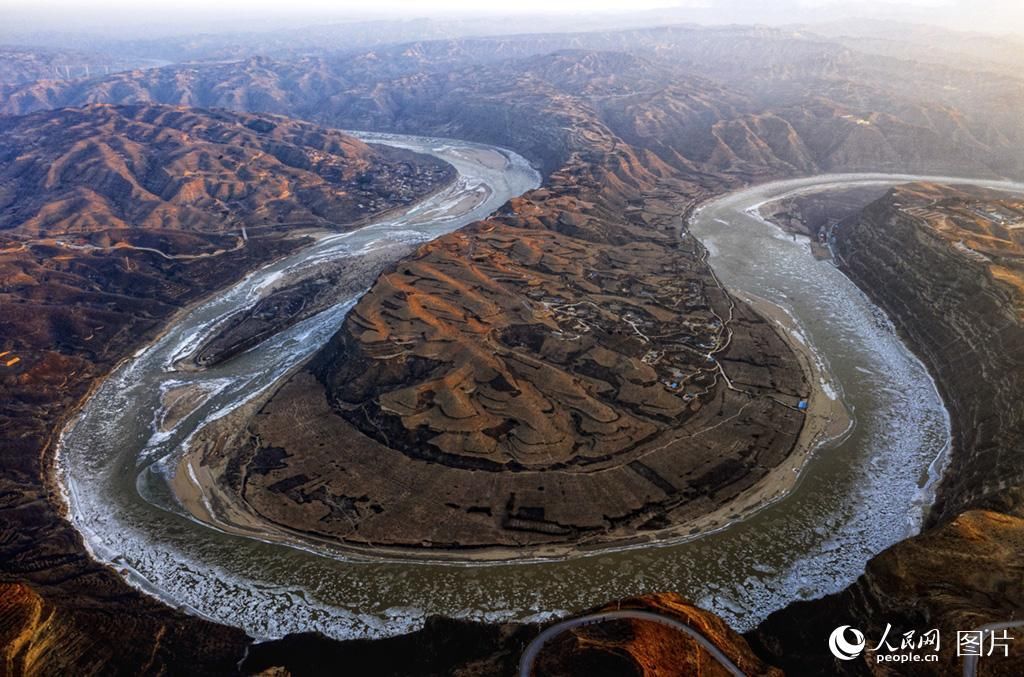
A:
858, 494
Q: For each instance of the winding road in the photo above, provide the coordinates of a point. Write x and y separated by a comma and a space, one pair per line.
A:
534, 647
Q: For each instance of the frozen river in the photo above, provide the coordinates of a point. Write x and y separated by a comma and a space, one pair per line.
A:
854, 498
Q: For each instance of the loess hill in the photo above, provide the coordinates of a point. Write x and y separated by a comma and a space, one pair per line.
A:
112, 219
946, 262
620, 648
95, 171
555, 341
568, 373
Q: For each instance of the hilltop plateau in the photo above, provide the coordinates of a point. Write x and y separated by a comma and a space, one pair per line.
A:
540, 389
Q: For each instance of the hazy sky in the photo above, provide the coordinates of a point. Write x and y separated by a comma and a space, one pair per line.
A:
419, 7
227, 15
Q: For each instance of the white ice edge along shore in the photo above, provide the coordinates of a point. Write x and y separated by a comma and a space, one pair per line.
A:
436, 209
331, 619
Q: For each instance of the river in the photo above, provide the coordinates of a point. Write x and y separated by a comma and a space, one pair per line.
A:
853, 499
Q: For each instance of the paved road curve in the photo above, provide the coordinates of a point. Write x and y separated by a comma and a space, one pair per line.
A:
534, 647
971, 662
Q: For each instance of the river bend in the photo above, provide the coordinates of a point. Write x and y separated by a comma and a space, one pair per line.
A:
854, 498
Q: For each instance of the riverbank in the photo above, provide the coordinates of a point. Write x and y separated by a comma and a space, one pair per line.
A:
77, 310
127, 422
827, 419
910, 251
201, 486
370, 600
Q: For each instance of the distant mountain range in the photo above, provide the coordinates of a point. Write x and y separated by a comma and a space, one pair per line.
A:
736, 100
